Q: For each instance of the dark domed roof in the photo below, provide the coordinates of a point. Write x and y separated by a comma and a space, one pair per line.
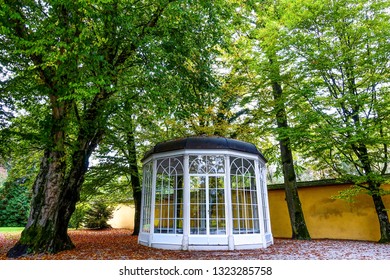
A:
204, 143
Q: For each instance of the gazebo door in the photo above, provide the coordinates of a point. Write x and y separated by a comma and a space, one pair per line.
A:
207, 209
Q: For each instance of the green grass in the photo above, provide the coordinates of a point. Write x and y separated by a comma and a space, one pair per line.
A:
11, 229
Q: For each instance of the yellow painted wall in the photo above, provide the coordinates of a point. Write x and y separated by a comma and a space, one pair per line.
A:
326, 217
123, 217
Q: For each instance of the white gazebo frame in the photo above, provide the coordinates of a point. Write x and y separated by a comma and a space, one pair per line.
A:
205, 197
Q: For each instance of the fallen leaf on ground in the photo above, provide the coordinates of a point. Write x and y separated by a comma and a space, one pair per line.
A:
120, 244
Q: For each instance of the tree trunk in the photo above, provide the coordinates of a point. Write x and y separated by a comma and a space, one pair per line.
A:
55, 194
298, 224
374, 186
56, 189
137, 202
46, 229
383, 218
135, 178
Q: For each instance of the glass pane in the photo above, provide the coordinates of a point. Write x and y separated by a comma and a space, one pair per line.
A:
217, 205
214, 164
244, 196
198, 165
198, 210
147, 197
168, 212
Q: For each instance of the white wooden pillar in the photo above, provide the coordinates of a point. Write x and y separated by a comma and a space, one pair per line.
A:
186, 203
153, 201
228, 204
260, 202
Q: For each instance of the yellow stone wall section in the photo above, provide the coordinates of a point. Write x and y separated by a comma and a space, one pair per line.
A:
326, 218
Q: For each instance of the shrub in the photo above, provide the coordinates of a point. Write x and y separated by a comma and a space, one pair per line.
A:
97, 216
14, 205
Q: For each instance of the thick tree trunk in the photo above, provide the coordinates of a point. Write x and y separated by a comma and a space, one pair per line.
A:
55, 194
56, 189
51, 208
298, 224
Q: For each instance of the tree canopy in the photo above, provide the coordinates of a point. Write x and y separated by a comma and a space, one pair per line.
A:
87, 87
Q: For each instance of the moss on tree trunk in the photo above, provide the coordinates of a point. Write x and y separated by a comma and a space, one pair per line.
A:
56, 191
51, 208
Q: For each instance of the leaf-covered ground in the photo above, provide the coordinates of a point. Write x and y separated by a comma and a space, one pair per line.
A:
119, 244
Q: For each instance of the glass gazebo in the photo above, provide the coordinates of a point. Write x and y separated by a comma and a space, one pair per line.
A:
204, 193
